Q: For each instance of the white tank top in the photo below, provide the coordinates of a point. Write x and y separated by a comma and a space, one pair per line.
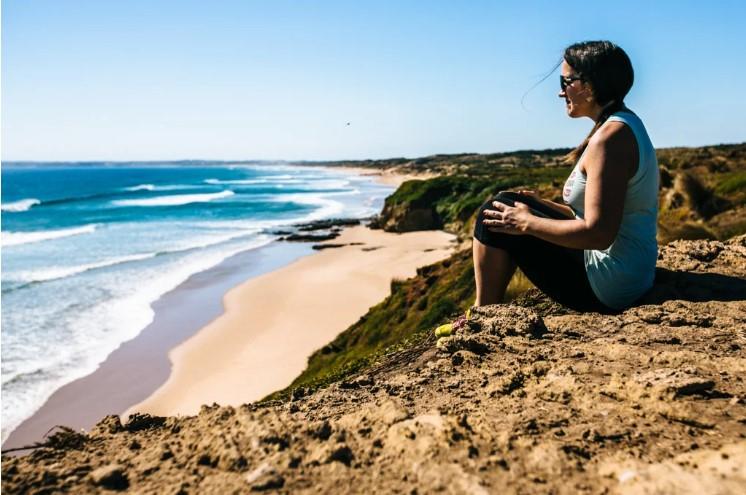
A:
623, 272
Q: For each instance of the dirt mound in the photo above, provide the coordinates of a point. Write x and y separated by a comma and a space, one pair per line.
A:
526, 398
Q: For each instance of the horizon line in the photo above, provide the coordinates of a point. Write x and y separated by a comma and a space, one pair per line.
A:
265, 160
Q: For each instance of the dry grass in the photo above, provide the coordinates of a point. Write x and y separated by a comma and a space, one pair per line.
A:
517, 286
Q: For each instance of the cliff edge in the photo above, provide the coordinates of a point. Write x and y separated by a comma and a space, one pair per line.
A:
526, 398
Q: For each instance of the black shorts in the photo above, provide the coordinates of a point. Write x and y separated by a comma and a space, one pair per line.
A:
557, 271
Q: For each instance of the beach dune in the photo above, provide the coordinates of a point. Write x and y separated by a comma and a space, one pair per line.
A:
273, 323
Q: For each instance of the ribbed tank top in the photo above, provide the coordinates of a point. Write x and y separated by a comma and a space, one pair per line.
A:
623, 272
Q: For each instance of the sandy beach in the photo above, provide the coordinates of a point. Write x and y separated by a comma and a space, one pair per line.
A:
390, 177
281, 303
272, 323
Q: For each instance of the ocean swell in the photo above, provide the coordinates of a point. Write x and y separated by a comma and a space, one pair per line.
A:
18, 238
175, 200
21, 205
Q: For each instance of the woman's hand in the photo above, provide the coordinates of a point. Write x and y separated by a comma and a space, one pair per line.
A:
506, 219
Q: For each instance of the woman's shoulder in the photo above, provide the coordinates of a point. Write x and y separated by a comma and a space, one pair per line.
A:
636, 125
626, 116
613, 134
613, 142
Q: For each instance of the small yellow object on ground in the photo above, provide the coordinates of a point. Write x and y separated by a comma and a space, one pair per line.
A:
444, 330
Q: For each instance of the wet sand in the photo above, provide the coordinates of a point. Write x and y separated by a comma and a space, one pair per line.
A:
139, 366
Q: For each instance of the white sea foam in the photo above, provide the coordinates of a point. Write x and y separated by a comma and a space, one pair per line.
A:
326, 207
175, 200
141, 187
236, 181
99, 331
177, 187
55, 273
17, 238
214, 240
21, 205
316, 194
275, 180
328, 183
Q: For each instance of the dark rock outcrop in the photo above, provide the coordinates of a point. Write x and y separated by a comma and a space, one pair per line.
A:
408, 218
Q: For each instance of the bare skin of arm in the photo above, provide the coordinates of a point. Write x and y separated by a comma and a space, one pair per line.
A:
610, 161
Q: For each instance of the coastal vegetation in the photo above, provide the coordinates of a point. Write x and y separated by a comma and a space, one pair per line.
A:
702, 196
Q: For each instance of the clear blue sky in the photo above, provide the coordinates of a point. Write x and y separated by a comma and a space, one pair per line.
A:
276, 79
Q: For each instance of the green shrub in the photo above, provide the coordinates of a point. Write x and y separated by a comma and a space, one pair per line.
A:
732, 183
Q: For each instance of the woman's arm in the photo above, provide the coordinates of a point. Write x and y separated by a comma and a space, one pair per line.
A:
609, 161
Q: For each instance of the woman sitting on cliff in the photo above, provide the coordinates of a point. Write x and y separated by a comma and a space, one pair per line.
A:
598, 251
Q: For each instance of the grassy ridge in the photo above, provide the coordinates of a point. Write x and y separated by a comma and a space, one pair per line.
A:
732, 183
405, 317
472, 164
703, 194
454, 199
439, 292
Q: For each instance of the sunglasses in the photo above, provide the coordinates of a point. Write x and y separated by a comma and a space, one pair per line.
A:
565, 81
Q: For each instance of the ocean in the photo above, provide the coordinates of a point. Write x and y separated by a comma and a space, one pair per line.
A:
87, 248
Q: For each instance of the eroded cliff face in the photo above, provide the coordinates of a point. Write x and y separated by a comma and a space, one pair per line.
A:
526, 398
405, 218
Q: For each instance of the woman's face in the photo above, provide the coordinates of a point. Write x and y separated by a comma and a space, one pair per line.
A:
576, 94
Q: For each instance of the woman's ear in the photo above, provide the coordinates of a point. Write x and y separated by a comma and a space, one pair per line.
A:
588, 91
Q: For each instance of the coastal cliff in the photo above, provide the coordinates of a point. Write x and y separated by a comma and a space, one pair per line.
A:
528, 397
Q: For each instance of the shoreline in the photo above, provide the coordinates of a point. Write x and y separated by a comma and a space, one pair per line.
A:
273, 323
389, 177
138, 367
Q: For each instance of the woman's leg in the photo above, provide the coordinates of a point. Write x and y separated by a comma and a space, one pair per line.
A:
494, 266
493, 269
559, 272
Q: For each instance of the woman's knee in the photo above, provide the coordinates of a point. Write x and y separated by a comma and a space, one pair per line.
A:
502, 197
486, 236
479, 227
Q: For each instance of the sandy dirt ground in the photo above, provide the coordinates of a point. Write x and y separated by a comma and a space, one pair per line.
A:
523, 398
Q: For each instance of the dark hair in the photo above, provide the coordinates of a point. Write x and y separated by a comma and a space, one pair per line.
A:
609, 71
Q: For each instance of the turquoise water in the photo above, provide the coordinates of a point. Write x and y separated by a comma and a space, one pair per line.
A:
86, 250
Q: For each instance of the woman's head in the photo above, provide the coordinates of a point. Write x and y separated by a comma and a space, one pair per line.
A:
596, 76
604, 67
